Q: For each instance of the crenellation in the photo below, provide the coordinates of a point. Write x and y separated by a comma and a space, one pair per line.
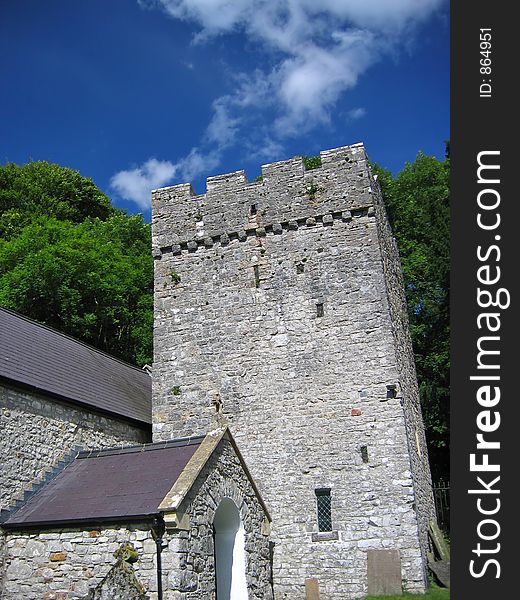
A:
287, 192
182, 210
224, 183
349, 154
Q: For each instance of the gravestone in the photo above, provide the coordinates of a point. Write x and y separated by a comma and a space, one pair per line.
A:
384, 573
312, 589
121, 582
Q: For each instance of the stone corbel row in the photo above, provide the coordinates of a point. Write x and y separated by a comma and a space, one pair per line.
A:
261, 231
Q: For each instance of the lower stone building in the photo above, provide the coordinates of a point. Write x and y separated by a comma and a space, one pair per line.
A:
59, 396
176, 520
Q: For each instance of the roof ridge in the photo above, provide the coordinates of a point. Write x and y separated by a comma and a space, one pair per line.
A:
70, 337
115, 450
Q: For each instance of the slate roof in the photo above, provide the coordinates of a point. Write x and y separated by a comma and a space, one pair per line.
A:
50, 362
116, 484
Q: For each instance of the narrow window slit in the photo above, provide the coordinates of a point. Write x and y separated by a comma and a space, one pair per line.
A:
364, 453
257, 276
252, 210
323, 509
319, 309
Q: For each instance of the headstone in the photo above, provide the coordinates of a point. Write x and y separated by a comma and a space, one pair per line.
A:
312, 589
120, 583
384, 573
441, 568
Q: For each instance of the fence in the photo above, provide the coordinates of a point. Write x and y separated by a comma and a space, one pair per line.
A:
441, 495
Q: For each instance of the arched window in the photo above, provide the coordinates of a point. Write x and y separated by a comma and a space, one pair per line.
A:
230, 555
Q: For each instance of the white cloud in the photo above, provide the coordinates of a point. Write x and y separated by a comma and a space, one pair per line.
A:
198, 163
282, 22
322, 47
136, 184
222, 127
214, 16
317, 51
383, 15
311, 83
269, 150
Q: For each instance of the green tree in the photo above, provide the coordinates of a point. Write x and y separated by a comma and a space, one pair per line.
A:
41, 188
72, 261
417, 202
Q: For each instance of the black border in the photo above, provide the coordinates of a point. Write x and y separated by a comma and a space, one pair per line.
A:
482, 124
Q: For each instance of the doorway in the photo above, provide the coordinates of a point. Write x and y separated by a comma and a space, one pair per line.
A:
230, 555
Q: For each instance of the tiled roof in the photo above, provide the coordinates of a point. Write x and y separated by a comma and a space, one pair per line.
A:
109, 485
38, 357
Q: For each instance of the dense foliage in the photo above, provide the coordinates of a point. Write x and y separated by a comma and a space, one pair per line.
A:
69, 259
43, 189
418, 205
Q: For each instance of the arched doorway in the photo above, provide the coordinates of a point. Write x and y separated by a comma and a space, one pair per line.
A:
230, 555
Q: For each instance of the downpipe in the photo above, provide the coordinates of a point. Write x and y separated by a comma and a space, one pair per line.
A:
158, 529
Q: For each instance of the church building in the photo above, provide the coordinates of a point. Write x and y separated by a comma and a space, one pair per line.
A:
277, 448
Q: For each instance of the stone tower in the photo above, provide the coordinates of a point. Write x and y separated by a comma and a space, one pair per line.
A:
279, 307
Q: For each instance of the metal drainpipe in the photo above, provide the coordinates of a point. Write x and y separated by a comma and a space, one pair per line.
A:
158, 533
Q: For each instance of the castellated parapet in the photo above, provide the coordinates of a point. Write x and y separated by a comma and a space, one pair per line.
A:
279, 307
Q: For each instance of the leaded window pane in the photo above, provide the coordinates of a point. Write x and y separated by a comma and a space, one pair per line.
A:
323, 506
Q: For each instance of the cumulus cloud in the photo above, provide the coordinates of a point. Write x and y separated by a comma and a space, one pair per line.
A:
222, 128
316, 52
198, 163
136, 184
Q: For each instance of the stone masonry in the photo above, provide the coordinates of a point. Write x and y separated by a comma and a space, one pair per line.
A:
279, 304
37, 432
61, 564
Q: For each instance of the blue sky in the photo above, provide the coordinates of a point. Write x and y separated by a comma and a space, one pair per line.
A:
138, 94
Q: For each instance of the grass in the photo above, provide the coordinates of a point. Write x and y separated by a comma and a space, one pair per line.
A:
434, 593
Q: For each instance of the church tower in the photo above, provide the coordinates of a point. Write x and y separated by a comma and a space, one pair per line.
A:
280, 309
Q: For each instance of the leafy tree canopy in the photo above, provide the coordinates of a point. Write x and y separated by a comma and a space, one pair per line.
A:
72, 261
41, 188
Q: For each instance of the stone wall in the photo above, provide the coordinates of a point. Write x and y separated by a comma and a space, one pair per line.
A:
271, 306
37, 432
407, 375
64, 564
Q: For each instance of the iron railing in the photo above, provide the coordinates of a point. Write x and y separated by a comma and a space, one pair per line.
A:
441, 496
